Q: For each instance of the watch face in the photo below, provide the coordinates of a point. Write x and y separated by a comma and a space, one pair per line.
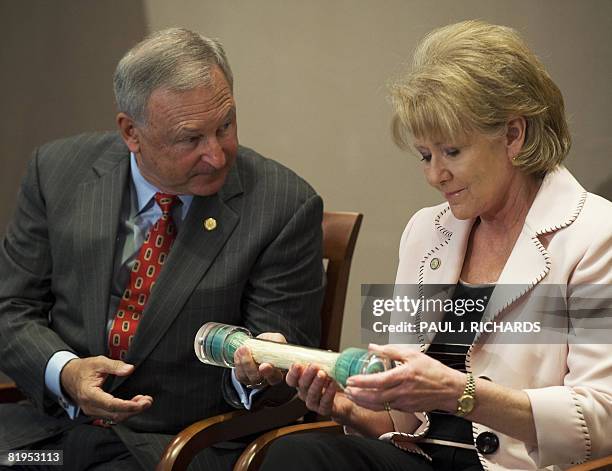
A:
466, 403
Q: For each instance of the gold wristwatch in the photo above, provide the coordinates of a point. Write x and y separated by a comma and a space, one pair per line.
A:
467, 401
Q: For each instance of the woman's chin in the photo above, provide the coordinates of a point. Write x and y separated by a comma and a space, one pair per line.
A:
461, 212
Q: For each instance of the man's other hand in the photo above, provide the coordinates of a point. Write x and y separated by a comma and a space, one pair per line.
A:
82, 379
250, 373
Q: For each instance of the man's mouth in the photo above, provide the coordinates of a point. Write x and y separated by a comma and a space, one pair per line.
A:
206, 170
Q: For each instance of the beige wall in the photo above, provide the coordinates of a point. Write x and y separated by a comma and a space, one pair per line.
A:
56, 64
310, 86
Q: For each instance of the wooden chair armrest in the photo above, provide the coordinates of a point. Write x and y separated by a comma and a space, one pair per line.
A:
604, 464
252, 457
9, 393
225, 427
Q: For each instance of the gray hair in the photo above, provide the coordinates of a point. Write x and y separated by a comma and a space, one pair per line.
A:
175, 59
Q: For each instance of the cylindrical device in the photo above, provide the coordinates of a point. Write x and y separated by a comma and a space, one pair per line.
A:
215, 344
358, 361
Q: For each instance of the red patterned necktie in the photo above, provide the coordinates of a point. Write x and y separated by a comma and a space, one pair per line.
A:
145, 271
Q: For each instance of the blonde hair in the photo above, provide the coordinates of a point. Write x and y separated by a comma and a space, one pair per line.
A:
473, 77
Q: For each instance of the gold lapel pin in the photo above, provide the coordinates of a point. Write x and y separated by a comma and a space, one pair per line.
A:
210, 224
435, 263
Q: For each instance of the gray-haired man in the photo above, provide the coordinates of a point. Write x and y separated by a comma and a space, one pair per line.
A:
123, 244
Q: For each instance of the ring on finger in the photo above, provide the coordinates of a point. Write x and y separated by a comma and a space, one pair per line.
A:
259, 384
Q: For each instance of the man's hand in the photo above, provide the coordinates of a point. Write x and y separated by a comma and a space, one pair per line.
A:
253, 375
82, 379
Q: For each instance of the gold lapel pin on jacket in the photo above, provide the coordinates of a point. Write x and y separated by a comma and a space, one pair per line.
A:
435, 263
210, 224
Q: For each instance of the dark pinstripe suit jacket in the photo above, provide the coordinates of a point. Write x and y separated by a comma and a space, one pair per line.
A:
260, 268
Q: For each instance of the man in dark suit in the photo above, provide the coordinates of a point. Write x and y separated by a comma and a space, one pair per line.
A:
123, 245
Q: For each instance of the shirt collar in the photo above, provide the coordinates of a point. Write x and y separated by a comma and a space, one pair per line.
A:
145, 191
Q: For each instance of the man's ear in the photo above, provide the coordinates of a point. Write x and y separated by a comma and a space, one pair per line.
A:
128, 131
516, 129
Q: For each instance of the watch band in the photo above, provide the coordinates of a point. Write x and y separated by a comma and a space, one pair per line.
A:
470, 385
465, 404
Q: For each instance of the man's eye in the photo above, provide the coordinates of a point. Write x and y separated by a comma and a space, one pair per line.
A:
425, 157
225, 126
189, 139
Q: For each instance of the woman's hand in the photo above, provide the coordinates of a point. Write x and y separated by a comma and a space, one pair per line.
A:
420, 383
424, 384
319, 392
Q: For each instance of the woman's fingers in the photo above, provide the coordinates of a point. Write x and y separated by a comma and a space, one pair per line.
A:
375, 399
315, 391
294, 374
314, 387
399, 352
307, 378
384, 380
327, 399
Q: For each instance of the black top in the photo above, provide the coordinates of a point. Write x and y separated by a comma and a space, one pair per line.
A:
451, 348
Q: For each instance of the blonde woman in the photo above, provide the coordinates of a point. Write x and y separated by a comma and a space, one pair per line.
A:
489, 125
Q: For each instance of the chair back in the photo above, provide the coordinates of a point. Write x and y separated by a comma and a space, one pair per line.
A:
340, 230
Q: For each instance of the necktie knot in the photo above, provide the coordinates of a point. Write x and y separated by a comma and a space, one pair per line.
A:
165, 202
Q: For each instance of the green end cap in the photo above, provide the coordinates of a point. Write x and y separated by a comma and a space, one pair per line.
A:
232, 343
349, 363
222, 342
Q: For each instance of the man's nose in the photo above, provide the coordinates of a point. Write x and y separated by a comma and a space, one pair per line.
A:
212, 153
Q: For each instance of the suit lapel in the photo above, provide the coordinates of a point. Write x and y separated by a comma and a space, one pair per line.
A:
557, 205
442, 263
527, 265
97, 221
440, 268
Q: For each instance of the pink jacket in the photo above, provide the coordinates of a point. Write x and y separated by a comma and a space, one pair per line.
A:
566, 241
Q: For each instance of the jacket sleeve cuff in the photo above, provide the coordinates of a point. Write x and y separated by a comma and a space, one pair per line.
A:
246, 395
561, 429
